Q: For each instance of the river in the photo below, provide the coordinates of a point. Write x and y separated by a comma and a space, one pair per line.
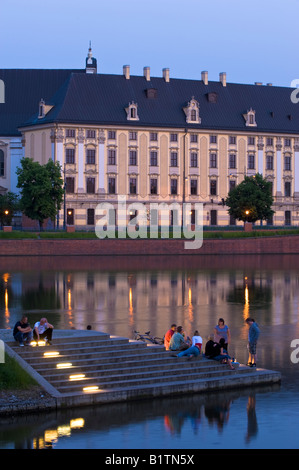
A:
120, 294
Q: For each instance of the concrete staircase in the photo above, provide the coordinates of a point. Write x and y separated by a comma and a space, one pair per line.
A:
121, 369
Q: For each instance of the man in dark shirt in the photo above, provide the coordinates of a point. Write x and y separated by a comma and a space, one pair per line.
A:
22, 331
212, 348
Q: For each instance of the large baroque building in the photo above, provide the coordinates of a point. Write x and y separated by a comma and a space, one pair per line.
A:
152, 139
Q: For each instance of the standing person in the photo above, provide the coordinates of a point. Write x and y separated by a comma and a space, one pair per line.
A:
169, 335
42, 330
195, 348
253, 336
22, 331
222, 331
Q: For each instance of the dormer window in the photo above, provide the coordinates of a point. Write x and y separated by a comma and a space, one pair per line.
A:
41, 113
131, 110
43, 109
250, 118
192, 112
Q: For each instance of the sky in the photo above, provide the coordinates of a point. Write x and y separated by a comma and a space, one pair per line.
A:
252, 41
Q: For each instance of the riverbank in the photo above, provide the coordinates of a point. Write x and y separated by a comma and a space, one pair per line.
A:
243, 245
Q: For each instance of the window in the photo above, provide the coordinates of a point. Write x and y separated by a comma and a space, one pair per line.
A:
251, 140
154, 158
269, 162
193, 160
90, 134
287, 217
232, 160
131, 111
70, 156
213, 160
2, 163
232, 185
213, 187
193, 115
111, 157
194, 138
250, 118
269, 141
213, 217
69, 185
90, 216
287, 163
232, 139
133, 157
193, 187
173, 137
251, 162
133, 185
154, 186
90, 156
111, 185
90, 185
287, 189
174, 186
153, 136
173, 159
213, 139
111, 135
70, 133
133, 135
287, 142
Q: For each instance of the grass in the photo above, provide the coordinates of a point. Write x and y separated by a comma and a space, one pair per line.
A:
13, 377
214, 233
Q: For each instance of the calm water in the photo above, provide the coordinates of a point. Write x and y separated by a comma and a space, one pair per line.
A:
118, 295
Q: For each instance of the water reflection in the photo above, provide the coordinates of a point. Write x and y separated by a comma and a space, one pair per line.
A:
200, 416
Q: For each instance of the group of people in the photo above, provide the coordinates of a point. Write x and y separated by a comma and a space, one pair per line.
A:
217, 345
24, 334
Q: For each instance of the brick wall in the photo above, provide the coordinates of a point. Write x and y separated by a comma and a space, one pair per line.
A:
139, 247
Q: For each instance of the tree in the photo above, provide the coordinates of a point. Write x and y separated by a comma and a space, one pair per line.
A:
9, 203
41, 189
251, 200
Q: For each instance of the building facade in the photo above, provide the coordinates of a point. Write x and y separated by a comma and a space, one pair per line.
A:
160, 139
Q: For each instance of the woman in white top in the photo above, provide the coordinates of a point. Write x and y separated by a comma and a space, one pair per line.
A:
195, 349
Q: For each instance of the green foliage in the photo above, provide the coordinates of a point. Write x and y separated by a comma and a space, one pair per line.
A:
41, 189
251, 200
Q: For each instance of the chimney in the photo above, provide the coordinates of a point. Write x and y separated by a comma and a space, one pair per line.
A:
146, 73
222, 78
269, 84
258, 83
166, 75
126, 71
204, 77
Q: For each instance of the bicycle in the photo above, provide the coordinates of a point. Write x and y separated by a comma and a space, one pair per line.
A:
148, 337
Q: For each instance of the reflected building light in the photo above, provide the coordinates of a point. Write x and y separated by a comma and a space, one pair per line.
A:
6, 312
246, 305
131, 301
69, 299
64, 430
50, 435
77, 423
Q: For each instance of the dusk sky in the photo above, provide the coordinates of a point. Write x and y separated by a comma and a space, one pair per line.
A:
251, 41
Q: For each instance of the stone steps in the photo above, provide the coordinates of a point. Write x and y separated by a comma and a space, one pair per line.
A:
122, 369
